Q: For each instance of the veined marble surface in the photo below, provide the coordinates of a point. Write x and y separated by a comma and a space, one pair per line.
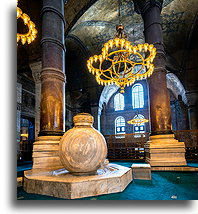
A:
62, 184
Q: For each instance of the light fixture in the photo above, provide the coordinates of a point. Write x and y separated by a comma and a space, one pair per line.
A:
121, 63
31, 34
24, 135
138, 120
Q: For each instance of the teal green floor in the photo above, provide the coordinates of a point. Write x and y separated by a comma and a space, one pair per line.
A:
163, 186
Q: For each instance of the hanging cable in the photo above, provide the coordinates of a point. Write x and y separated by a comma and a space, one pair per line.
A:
119, 13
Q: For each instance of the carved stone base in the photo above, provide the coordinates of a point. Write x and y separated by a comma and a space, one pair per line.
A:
46, 153
62, 184
164, 150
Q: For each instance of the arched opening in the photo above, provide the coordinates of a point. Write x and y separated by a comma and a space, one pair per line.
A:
139, 128
120, 125
137, 96
119, 102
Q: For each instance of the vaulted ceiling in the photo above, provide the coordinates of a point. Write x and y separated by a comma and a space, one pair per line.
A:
90, 23
97, 25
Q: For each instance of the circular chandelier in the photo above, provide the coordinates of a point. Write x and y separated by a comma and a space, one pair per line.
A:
121, 63
31, 34
137, 121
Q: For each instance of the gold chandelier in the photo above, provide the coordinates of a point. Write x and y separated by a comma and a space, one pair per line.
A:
31, 34
121, 63
137, 121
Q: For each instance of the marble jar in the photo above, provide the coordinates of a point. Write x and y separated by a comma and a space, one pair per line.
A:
83, 149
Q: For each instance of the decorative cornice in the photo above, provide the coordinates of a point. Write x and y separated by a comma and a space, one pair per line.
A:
50, 72
141, 6
36, 71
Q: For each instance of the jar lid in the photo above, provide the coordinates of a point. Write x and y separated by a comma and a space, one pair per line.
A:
83, 119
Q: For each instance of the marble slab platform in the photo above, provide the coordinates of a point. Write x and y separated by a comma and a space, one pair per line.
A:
175, 168
62, 184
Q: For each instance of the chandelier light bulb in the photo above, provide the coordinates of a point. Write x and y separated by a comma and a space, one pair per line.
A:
121, 63
32, 32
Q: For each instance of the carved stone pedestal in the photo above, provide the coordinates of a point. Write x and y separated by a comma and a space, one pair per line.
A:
62, 184
46, 153
164, 150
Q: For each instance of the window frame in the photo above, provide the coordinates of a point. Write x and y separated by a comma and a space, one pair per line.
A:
119, 102
137, 96
121, 126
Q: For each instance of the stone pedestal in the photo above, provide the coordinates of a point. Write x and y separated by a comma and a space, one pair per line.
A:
62, 184
46, 153
141, 171
164, 150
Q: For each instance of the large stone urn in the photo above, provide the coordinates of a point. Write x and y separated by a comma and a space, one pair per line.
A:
83, 149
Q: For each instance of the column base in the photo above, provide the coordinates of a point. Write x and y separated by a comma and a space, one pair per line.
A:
164, 150
46, 153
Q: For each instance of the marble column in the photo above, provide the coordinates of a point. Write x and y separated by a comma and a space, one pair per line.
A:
94, 113
52, 104
18, 118
161, 147
36, 73
192, 109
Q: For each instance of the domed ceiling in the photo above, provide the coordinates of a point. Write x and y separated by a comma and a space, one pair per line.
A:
97, 24
90, 23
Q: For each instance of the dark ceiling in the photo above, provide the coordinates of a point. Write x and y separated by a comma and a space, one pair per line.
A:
90, 23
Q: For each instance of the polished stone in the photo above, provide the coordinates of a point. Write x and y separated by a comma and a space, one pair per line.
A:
83, 149
62, 184
19, 181
164, 150
46, 153
141, 171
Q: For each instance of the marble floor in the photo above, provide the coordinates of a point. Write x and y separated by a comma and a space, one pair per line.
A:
163, 186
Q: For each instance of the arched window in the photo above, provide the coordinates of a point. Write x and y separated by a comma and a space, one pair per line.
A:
141, 127
119, 102
120, 125
137, 96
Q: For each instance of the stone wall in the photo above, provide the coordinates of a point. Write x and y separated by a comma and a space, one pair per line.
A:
109, 114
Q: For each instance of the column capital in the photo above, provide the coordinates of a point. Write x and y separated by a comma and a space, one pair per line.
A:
36, 71
141, 6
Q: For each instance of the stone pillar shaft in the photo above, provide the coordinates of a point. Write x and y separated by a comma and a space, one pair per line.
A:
161, 149
192, 110
52, 115
52, 108
159, 97
36, 73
